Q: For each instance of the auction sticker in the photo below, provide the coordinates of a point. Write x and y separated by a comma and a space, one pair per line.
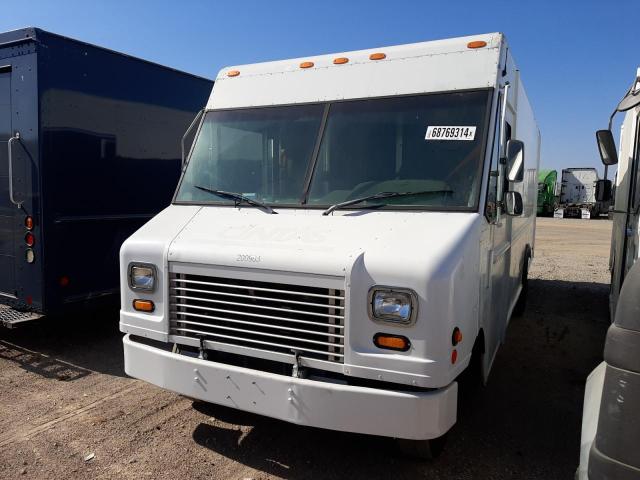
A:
450, 133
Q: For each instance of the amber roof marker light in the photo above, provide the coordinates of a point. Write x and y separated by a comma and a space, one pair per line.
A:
233, 73
306, 65
377, 56
340, 60
477, 44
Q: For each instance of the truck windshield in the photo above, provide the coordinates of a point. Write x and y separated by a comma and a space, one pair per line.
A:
431, 144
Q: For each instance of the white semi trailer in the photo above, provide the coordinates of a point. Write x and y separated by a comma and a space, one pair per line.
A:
578, 189
351, 232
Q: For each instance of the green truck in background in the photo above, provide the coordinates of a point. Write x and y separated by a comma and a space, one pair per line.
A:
547, 180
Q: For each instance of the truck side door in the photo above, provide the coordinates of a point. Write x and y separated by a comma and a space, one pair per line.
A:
499, 261
7, 209
625, 227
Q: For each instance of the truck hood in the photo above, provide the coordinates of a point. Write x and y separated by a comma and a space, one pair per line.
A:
307, 242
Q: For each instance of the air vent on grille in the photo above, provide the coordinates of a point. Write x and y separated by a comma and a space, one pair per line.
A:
266, 316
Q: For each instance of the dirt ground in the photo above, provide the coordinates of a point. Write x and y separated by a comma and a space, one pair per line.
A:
67, 410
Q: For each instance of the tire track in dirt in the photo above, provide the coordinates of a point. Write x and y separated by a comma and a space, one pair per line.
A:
16, 435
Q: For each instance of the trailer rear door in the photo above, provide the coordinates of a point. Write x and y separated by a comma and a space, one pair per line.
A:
7, 209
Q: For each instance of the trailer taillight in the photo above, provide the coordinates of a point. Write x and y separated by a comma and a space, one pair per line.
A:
29, 239
28, 222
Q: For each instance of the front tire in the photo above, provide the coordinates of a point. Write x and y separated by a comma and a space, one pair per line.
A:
421, 449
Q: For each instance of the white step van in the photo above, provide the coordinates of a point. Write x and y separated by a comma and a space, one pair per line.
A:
350, 233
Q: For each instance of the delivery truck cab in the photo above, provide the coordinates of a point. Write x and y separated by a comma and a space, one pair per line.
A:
625, 194
350, 233
80, 126
610, 420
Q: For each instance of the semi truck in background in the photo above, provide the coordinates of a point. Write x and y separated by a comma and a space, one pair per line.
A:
89, 151
611, 420
578, 194
547, 186
350, 234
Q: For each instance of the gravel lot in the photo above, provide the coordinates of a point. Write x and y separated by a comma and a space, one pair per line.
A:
68, 411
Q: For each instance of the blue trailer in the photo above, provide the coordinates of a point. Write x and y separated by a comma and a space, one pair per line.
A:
90, 149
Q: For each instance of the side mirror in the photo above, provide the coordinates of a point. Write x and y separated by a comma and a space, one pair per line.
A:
607, 147
603, 190
513, 204
515, 161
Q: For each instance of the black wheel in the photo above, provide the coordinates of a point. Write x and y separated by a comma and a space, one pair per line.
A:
422, 449
521, 304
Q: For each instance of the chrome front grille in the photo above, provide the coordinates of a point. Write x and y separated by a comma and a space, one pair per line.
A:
270, 317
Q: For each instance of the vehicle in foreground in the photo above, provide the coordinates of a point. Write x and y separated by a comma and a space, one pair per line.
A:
611, 413
89, 151
578, 193
351, 233
547, 180
611, 416
625, 195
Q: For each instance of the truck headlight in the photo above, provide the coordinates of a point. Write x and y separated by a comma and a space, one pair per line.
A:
393, 305
142, 277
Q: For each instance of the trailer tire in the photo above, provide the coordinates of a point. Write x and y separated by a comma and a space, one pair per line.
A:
421, 449
521, 304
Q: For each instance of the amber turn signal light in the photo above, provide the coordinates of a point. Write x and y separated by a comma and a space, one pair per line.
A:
477, 44
28, 223
143, 305
391, 342
456, 336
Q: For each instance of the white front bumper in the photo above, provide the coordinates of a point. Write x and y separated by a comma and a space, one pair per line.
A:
411, 415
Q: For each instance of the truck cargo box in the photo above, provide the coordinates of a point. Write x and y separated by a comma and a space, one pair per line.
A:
89, 151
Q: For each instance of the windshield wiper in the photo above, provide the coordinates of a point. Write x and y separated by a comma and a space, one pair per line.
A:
375, 196
238, 198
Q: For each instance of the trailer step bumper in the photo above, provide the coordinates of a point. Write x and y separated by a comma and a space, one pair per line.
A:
391, 413
11, 318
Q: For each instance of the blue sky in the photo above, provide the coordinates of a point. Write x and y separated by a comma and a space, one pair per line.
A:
576, 57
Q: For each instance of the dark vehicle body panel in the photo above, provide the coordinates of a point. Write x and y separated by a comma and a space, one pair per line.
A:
98, 155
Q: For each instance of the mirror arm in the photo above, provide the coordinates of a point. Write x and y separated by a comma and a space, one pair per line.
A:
611, 119
502, 153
